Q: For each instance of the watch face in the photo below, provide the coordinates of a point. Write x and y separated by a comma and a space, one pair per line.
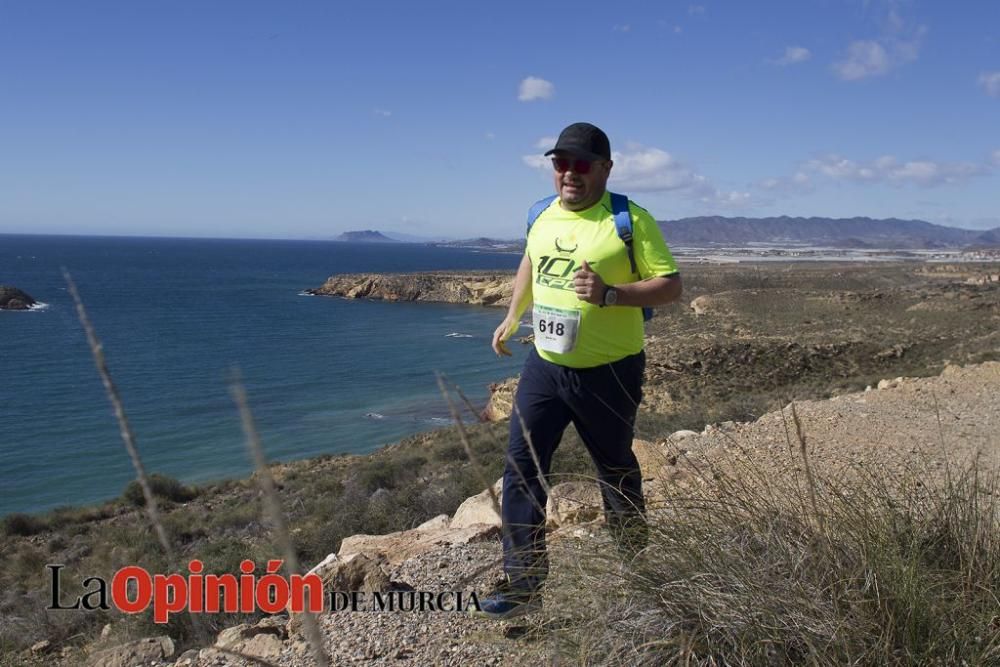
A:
611, 296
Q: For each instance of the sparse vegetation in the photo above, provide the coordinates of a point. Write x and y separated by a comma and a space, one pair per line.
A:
753, 569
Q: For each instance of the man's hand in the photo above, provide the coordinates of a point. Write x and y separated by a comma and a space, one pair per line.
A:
588, 285
503, 332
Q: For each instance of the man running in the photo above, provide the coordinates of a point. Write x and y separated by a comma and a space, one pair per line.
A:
588, 288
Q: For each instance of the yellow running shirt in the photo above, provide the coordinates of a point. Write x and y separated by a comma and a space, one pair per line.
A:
571, 332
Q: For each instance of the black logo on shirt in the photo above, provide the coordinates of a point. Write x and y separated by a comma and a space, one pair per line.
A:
569, 250
556, 272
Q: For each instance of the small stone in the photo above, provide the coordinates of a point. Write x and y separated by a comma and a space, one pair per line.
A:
43, 646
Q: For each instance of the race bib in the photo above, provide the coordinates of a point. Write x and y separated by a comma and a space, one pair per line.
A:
555, 328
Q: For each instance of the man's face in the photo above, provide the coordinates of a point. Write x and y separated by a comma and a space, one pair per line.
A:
580, 183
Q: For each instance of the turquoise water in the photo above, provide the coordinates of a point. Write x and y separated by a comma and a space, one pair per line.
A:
323, 375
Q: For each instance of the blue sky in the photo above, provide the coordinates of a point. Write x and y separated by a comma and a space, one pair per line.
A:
306, 119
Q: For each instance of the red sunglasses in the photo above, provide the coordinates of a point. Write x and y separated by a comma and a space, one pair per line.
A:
564, 164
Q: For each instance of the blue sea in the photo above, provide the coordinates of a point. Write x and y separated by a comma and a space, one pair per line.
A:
175, 316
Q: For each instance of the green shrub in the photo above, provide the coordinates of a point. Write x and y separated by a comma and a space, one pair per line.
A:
162, 486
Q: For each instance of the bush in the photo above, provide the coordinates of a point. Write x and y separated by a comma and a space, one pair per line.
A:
750, 569
162, 486
22, 524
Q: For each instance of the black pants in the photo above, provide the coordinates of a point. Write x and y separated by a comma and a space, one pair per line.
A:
601, 402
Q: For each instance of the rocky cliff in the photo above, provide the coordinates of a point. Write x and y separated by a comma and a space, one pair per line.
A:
487, 289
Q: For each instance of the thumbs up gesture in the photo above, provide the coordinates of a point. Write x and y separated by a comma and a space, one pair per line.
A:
588, 285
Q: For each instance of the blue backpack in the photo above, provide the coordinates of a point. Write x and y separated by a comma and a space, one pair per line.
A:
623, 223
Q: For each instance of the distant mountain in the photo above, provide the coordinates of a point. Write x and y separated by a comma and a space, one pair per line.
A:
989, 237
365, 236
824, 232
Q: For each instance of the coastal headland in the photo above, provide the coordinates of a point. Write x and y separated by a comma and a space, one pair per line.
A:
723, 366
474, 288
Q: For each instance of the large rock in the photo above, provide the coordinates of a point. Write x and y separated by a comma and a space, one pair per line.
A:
135, 653
263, 640
479, 509
356, 572
396, 548
440, 521
12, 298
501, 403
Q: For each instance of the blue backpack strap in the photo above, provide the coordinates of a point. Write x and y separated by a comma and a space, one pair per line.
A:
623, 222
537, 208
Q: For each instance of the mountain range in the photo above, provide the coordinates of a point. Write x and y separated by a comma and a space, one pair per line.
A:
891, 233
860, 233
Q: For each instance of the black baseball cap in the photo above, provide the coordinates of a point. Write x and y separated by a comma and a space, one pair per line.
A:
583, 140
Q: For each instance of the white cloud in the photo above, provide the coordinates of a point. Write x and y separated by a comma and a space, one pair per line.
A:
678, 30
640, 169
990, 81
652, 170
533, 88
898, 44
890, 170
793, 55
646, 169
622, 28
545, 143
863, 59
491, 136
694, 10
382, 112
537, 161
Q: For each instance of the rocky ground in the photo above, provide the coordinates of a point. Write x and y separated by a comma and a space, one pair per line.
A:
722, 367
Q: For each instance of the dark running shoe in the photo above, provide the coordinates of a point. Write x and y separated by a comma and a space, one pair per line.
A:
505, 602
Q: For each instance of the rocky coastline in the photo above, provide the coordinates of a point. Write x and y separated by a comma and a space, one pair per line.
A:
474, 288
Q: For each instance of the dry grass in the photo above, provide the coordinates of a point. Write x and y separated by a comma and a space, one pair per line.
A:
862, 567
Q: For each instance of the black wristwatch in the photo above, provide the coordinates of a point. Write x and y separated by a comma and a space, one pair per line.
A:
610, 296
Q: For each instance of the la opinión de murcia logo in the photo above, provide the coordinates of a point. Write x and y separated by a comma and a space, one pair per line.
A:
133, 590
